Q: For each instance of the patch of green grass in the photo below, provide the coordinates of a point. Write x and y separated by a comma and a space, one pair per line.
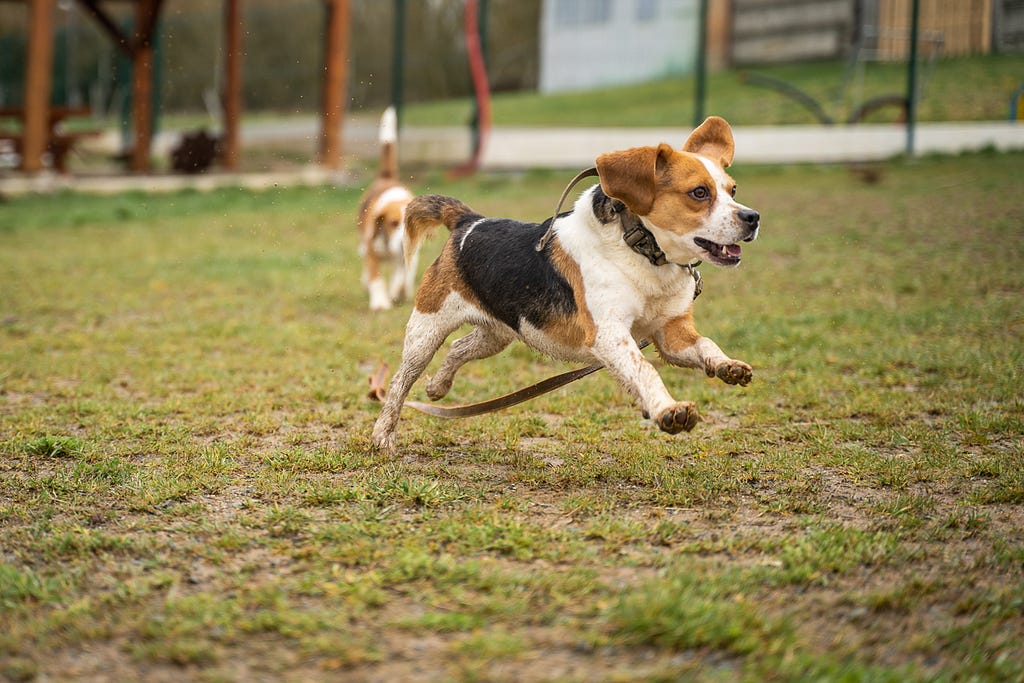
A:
187, 478
51, 446
827, 551
689, 611
735, 95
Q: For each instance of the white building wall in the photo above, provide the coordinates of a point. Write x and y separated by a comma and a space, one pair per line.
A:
592, 43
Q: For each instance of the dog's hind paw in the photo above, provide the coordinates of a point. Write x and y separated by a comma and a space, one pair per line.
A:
680, 417
734, 372
438, 387
385, 443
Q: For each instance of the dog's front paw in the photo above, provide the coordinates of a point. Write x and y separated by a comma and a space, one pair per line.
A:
680, 417
733, 372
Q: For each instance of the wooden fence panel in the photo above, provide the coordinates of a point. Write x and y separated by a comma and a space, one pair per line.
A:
964, 26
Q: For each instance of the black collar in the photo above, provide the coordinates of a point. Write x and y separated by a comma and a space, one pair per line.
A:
640, 238
642, 241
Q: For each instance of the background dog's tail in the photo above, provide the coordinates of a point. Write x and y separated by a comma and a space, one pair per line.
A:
424, 213
388, 138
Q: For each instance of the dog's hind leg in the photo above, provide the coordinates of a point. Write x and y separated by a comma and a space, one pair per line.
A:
424, 335
482, 342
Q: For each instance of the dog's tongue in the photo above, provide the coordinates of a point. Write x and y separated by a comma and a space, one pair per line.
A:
733, 249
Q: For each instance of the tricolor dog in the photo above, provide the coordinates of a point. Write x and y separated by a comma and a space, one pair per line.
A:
381, 229
585, 294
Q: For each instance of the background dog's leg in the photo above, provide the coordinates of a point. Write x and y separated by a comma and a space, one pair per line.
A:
397, 288
373, 279
423, 337
408, 277
480, 343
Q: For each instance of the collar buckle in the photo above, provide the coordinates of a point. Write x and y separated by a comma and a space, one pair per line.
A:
640, 239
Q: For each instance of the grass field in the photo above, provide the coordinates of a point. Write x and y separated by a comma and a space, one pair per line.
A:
187, 490
731, 93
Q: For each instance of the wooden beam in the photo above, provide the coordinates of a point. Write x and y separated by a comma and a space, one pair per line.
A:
38, 82
335, 81
142, 83
113, 30
232, 83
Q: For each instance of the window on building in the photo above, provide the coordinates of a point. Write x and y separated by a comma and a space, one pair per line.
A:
646, 10
582, 12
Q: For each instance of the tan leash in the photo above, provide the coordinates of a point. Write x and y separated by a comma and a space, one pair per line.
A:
585, 173
378, 391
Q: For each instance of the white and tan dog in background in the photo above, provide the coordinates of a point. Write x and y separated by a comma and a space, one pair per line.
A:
382, 227
587, 295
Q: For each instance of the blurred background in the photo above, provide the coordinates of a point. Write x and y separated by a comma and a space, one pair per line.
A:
770, 61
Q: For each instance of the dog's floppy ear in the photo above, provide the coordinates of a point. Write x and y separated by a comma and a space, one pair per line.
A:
629, 175
712, 139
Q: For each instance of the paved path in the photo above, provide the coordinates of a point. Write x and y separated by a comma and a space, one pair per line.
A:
519, 148
576, 148
566, 148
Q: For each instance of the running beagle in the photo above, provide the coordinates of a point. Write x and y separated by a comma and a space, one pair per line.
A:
588, 284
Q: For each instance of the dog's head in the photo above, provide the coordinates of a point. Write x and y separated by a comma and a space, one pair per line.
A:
685, 197
387, 212
389, 220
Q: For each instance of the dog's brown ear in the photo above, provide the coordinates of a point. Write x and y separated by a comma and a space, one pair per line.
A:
629, 175
712, 139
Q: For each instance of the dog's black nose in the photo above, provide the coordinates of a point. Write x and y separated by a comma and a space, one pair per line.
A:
749, 216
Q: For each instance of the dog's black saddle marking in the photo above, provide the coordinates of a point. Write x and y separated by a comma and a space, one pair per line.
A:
515, 282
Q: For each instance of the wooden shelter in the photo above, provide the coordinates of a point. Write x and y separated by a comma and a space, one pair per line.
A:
38, 118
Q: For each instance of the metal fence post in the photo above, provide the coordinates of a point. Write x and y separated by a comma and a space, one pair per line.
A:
915, 13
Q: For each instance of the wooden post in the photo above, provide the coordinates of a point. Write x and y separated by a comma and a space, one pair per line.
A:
335, 82
142, 84
701, 67
719, 34
38, 82
232, 83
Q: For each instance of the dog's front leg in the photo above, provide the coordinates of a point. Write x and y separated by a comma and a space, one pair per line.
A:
680, 344
620, 354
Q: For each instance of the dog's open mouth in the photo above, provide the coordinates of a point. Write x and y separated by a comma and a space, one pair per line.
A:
722, 254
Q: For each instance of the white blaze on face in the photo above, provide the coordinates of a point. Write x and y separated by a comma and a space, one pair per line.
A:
723, 226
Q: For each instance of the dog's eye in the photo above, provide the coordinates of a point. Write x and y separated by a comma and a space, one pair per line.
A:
700, 193
733, 191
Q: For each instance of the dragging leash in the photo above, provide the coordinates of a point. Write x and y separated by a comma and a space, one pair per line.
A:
585, 173
635, 235
378, 391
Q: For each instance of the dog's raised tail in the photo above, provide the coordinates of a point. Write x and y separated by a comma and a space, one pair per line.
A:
424, 213
387, 135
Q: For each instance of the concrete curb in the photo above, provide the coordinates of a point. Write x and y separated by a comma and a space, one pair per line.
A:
528, 148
